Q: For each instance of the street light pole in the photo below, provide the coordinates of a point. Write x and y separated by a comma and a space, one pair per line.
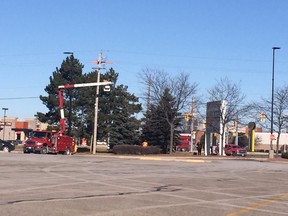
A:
272, 99
68, 53
192, 144
236, 129
5, 109
70, 103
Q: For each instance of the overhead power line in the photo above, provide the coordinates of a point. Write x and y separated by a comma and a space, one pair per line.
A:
18, 98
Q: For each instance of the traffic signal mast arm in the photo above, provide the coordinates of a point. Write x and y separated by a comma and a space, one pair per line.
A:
61, 88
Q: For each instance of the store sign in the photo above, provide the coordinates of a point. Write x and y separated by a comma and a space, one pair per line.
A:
272, 137
6, 123
213, 116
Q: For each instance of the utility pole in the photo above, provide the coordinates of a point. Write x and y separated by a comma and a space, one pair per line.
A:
148, 92
192, 145
100, 62
5, 109
96, 104
236, 130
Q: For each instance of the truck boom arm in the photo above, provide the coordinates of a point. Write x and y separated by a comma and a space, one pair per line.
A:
61, 98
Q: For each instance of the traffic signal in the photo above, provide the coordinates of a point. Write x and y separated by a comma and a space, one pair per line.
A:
262, 116
187, 117
235, 123
204, 125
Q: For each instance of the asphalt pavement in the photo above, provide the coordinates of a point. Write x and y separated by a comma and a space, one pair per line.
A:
103, 184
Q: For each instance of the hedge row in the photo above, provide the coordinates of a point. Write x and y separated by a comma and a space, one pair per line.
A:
135, 150
284, 155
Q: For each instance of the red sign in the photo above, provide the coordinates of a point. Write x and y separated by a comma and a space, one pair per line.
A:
272, 137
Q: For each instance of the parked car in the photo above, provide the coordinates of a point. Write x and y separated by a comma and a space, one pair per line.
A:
6, 146
233, 149
102, 147
184, 147
15, 142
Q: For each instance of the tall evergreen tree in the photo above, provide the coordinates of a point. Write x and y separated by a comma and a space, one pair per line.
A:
155, 128
161, 121
69, 72
116, 110
117, 113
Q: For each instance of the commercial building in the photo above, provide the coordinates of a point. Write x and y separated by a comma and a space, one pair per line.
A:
12, 129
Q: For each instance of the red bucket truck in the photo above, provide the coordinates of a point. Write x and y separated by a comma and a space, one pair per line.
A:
43, 142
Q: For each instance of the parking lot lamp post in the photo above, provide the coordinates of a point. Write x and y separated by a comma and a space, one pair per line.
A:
5, 109
68, 53
70, 103
272, 98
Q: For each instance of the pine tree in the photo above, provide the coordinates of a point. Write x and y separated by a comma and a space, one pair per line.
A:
69, 72
116, 111
155, 128
160, 121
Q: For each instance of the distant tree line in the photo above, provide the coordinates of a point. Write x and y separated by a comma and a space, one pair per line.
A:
167, 98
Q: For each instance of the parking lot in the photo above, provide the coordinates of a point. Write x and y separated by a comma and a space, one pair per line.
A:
35, 184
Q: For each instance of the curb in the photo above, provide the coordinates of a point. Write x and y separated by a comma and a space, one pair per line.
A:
177, 158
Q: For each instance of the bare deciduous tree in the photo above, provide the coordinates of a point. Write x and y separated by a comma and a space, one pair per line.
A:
280, 113
230, 92
180, 87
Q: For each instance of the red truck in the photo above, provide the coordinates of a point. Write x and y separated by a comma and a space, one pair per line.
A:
43, 142
184, 144
38, 142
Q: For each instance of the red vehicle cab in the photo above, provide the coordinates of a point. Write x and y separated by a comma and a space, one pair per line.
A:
38, 141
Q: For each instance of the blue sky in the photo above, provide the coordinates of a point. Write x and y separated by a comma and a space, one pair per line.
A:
209, 39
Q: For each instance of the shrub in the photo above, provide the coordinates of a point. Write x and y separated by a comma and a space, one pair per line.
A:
135, 150
284, 155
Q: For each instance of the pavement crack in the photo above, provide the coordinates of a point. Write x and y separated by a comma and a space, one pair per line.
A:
163, 188
167, 188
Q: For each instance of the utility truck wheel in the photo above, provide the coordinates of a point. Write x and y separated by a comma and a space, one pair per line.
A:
67, 152
44, 150
5, 149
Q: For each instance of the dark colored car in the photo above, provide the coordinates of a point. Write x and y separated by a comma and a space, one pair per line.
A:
15, 142
6, 146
